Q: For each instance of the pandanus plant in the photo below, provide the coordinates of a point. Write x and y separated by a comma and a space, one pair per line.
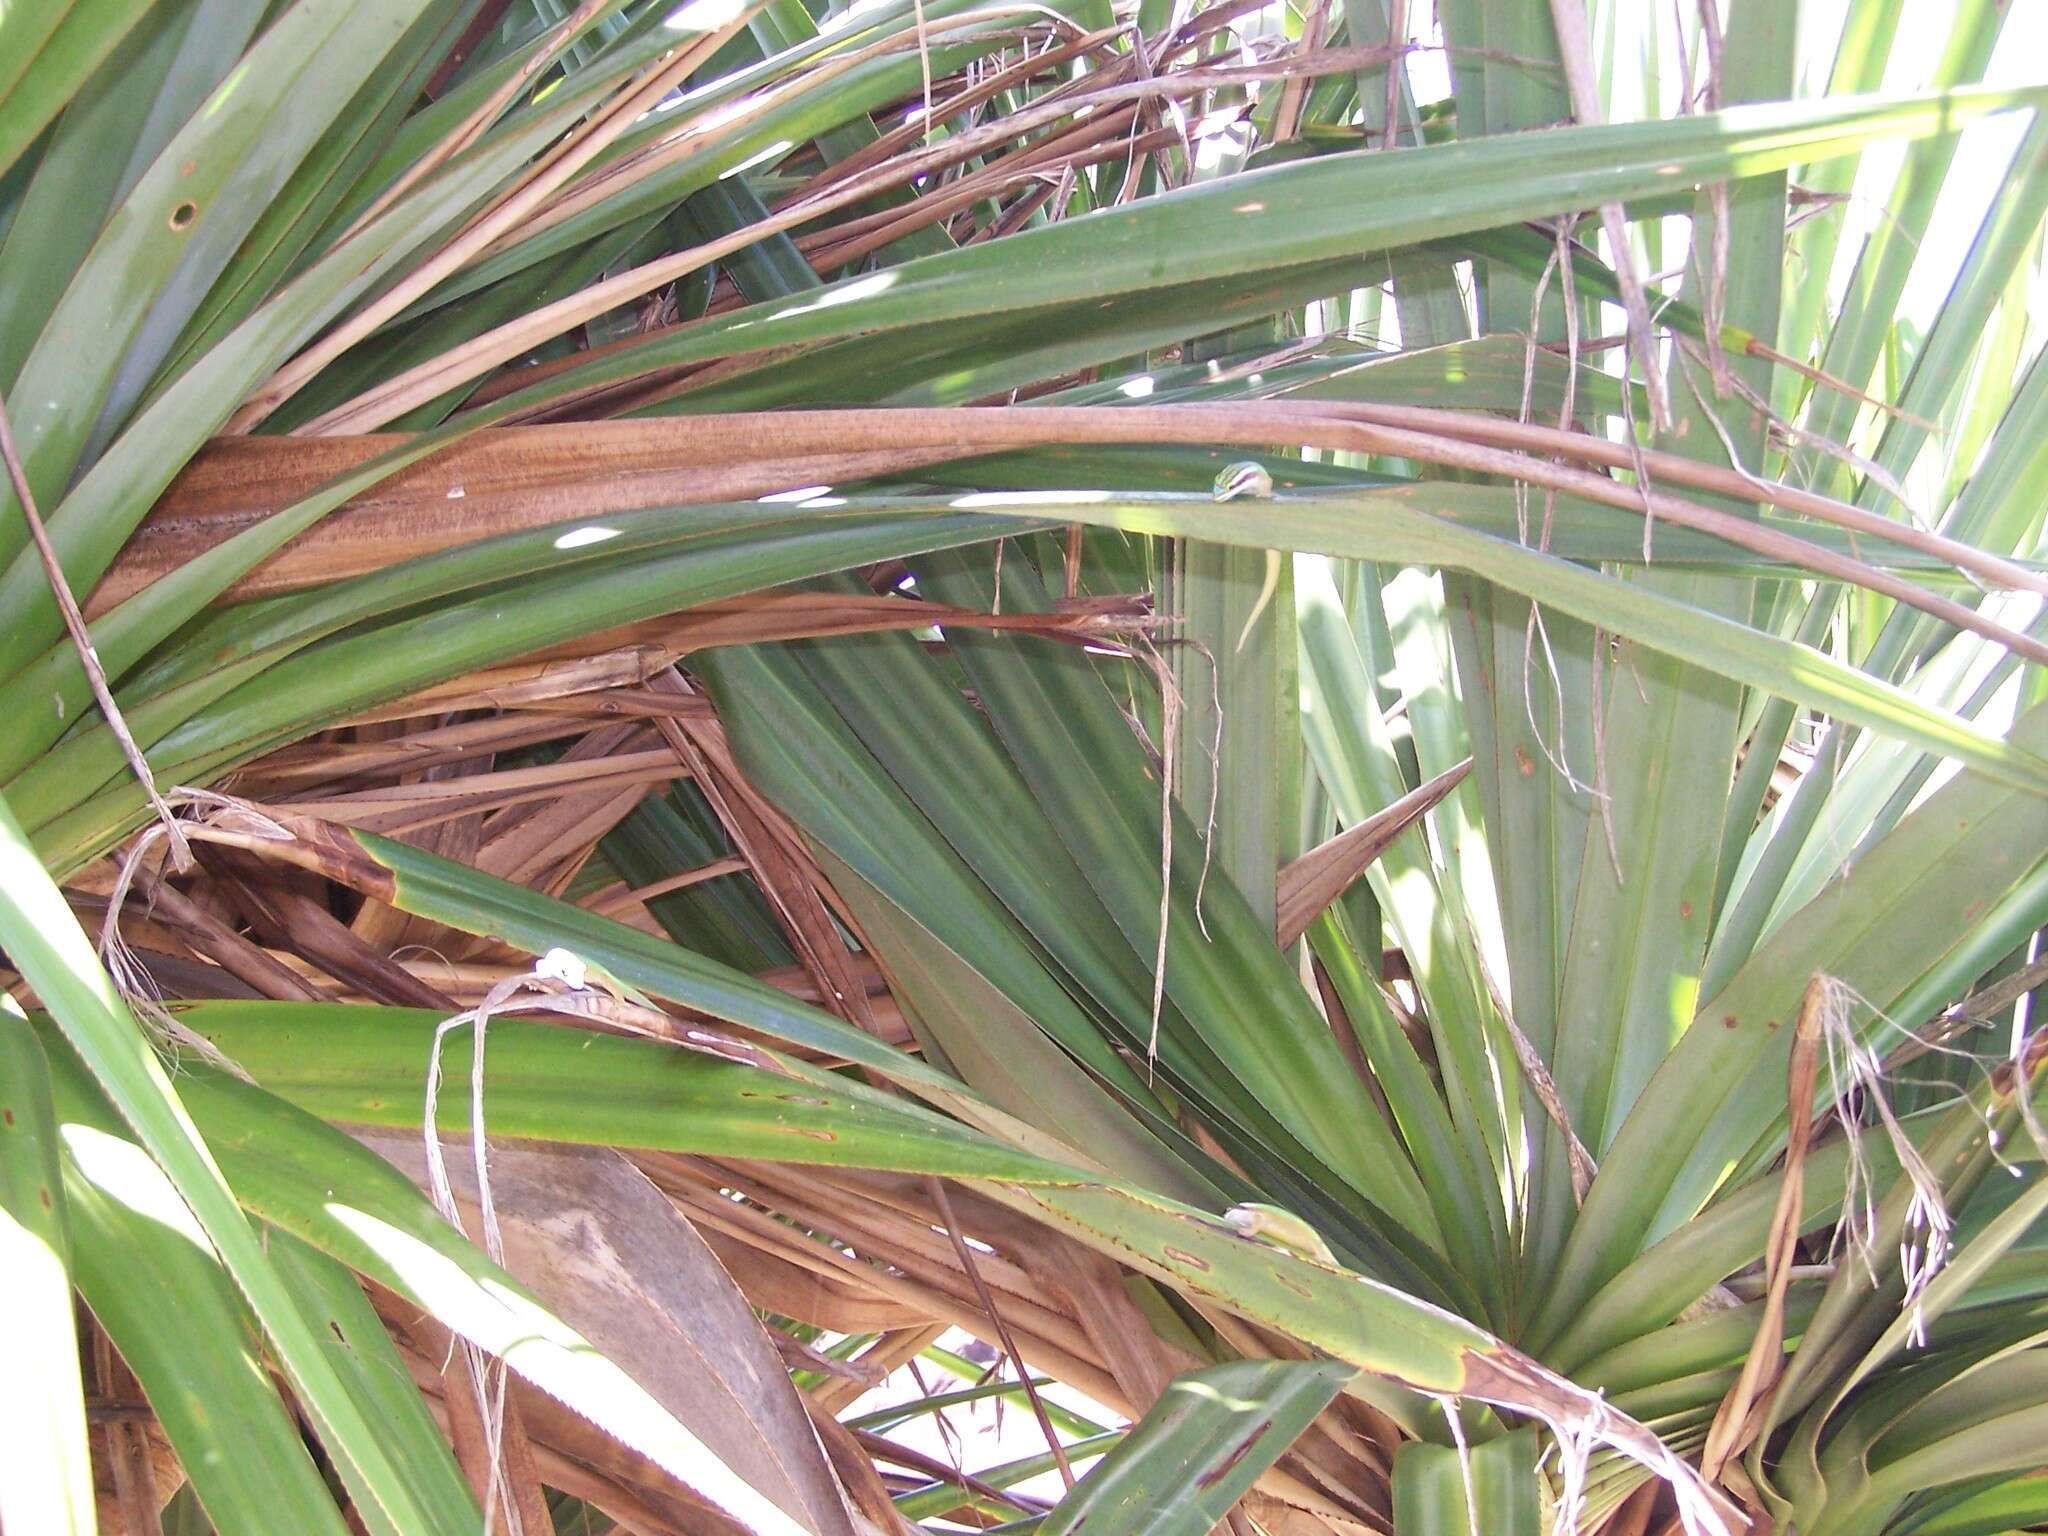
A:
1226, 694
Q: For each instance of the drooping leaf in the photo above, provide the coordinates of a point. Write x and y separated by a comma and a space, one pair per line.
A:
45, 1471
1199, 1448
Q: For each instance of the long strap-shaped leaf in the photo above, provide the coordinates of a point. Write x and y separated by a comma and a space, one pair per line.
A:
45, 1471
1311, 210
203, 1378
1442, 1490
1202, 1445
242, 710
98, 513
314, 1182
182, 222
46, 52
1900, 913
46, 945
1408, 534
368, 1066
963, 791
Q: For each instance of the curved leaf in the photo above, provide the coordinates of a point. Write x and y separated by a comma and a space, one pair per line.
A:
1199, 1448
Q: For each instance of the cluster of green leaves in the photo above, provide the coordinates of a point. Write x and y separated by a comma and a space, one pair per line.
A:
196, 193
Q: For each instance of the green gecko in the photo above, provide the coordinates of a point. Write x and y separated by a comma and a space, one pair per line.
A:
1248, 477
1282, 1229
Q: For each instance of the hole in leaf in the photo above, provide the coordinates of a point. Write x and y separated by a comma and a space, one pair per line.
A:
183, 215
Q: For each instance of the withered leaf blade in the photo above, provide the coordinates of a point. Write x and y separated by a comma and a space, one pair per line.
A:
1325, 872
597, 1242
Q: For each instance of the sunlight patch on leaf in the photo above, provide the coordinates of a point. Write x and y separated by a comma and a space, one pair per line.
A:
124, 1172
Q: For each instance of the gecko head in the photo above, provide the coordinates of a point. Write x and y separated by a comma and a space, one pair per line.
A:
1247, 477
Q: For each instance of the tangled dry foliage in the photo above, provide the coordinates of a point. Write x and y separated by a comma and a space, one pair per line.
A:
661, 598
